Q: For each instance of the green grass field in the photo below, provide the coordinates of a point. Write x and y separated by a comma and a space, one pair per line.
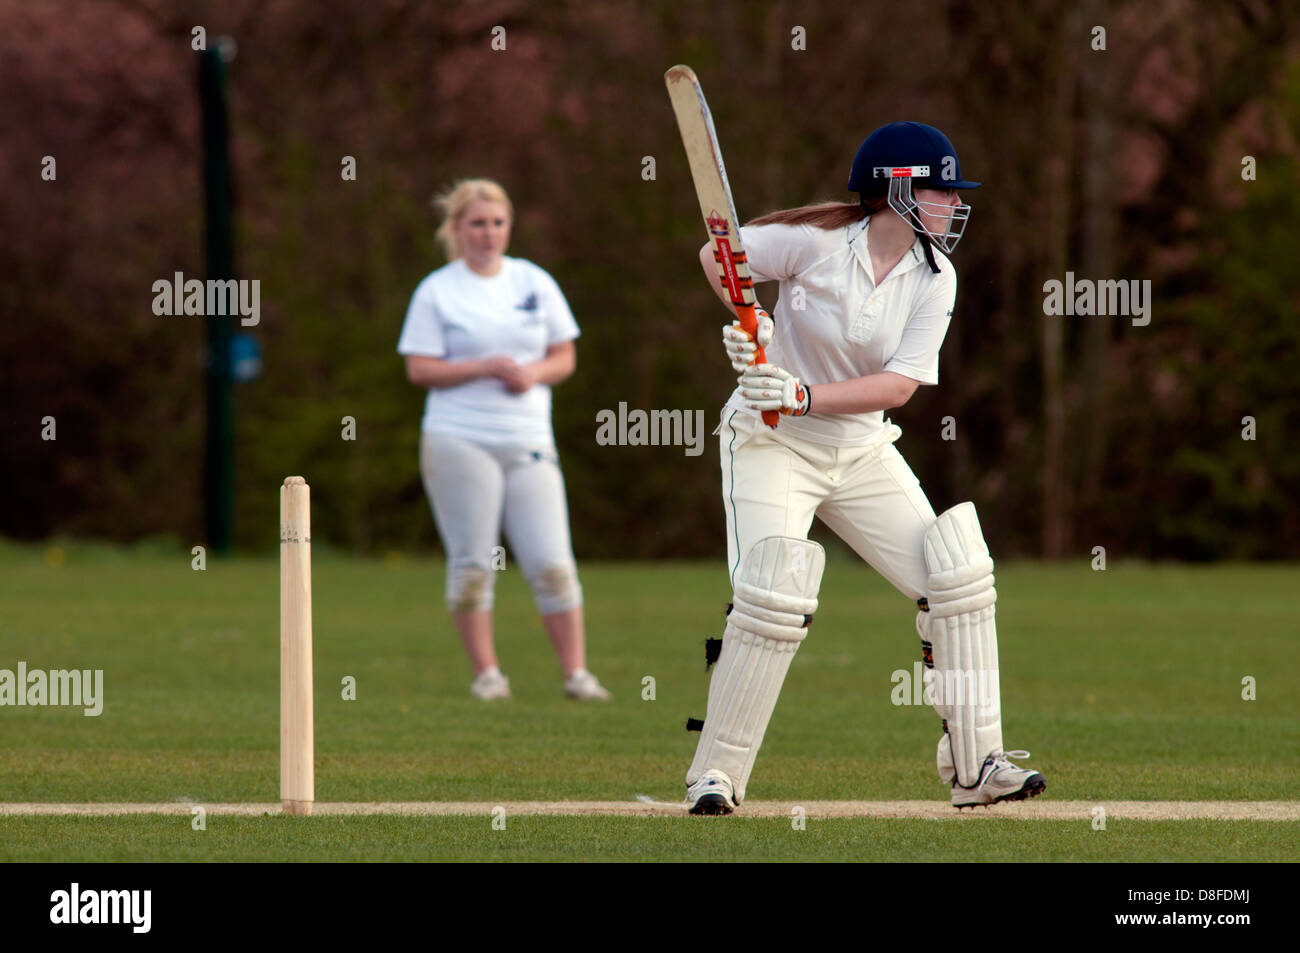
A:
1125, 684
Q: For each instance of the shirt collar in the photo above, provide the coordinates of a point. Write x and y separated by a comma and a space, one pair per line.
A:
913, 257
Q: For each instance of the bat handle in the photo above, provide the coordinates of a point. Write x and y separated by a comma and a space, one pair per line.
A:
749, 324
770, 417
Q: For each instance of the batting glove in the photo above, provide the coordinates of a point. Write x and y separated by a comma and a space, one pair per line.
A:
740, 346
768, 387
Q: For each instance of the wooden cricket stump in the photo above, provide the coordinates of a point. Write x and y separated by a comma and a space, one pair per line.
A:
297, 746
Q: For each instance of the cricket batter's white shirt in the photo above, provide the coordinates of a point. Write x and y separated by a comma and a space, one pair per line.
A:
848, 326
458, 315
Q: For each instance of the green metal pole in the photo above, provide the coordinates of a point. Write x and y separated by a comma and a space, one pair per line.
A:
218, 459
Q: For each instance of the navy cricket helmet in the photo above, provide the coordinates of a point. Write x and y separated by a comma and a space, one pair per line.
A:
901, 156
906, 145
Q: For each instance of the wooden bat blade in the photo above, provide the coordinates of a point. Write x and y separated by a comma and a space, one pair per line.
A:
700, 138
709, 173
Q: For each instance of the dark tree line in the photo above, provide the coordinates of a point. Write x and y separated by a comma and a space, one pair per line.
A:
1120, 163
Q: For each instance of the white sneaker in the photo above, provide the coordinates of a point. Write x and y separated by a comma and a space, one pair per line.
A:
583, 686
999, 780
490, 686
712, 793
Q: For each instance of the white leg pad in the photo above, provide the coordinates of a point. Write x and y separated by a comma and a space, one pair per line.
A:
776, 595
960, 628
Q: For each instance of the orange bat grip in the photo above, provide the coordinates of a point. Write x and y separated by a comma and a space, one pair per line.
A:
749, 324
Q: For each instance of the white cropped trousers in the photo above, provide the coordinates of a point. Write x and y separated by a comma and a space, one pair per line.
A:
478, 491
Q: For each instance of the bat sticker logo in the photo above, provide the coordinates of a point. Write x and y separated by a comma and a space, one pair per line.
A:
718, 225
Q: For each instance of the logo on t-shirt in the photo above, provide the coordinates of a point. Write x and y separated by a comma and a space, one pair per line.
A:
528, 304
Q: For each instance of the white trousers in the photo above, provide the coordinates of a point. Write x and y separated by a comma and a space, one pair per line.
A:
774, 484
476, 492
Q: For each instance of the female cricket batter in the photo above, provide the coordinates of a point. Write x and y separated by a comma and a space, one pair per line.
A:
866, 294
488, 336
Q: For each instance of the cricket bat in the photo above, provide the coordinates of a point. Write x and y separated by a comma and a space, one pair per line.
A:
695, 123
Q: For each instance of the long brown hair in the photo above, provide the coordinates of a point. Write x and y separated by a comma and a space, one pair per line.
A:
827, 215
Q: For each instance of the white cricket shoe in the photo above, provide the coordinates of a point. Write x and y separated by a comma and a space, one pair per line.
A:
712, 793
1000, 780
583, 686
490, 685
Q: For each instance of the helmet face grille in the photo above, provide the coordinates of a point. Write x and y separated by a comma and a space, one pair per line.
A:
902, 201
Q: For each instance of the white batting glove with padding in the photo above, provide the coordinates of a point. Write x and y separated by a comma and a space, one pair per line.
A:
768, 387
740, 346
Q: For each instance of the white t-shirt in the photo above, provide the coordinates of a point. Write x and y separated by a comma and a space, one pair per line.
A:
458, 315
849, 327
